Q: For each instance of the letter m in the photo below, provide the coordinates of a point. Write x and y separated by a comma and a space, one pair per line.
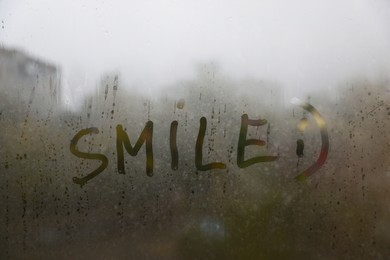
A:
122, 139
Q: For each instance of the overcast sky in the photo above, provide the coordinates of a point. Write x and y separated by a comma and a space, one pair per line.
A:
303, 43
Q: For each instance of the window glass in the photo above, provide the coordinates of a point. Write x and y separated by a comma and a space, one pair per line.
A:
194, 129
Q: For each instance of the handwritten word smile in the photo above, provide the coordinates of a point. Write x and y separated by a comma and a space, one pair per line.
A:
146, 137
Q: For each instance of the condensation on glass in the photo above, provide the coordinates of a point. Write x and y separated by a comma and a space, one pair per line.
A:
212, 167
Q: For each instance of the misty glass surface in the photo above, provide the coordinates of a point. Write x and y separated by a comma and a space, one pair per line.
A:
194, 129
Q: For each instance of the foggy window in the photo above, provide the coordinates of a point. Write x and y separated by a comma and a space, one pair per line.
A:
194, 129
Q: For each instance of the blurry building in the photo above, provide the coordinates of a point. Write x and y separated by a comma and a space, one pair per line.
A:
27, 81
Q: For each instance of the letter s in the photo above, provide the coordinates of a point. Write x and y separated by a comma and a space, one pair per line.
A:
92, 156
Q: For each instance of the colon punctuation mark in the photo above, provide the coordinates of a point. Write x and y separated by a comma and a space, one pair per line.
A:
300, 148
